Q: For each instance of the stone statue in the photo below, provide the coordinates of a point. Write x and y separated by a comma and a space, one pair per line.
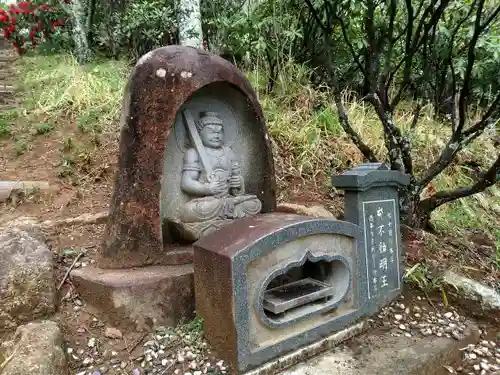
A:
211, 177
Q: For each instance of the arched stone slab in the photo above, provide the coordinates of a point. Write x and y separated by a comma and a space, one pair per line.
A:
162, 82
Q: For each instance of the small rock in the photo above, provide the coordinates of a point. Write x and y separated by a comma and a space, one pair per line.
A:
91, 342
39, 350
87, 361
485, 366
448, 315
315, 211
398, 317
113, 333
473, 290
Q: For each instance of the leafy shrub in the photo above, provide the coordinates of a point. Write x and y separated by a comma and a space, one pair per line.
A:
29, 21
141, 27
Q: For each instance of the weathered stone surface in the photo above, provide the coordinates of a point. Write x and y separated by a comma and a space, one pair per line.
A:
27, 289
249, 255
384, 354
473, 290
141, 297
163, 81
37, 351
315, 211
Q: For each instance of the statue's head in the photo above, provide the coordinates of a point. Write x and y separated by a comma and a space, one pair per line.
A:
211, 129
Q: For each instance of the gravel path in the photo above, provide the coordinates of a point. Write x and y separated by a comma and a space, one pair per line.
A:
183, 351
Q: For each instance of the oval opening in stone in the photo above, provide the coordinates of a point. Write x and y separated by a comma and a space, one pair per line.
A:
305, 289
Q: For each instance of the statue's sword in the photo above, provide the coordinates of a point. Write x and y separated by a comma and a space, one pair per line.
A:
195, 137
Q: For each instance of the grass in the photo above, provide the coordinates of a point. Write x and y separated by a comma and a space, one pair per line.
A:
309, 143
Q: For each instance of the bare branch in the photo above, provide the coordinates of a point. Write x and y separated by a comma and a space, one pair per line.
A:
354, 55
491, 177
471, 57
388, 58
314, 13
490, 116
343, 118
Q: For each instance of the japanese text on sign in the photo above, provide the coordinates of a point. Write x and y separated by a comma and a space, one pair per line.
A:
382, 255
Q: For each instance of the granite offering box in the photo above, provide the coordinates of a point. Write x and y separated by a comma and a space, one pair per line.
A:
270, 284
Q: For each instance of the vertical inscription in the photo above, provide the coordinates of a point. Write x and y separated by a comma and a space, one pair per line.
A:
382, 251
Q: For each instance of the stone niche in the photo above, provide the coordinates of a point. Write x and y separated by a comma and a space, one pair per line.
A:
269, 284
153, 140
144, 271
244, 133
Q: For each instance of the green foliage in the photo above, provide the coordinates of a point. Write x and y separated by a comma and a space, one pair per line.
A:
43, 128
21, 146
5, 130
266, 33
143, 26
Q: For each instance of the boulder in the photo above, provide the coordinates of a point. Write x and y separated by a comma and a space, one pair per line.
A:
298, 209
487, 297
27, 287
37, 350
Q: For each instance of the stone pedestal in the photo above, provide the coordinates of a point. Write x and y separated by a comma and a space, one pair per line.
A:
236, 267
139, 297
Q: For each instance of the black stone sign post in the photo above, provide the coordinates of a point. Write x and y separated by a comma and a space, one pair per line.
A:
372, 202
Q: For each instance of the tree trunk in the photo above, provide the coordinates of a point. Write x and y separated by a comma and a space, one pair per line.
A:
78, 19
189, 19
417, 215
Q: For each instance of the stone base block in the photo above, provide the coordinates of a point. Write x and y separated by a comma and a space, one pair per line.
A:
143, 297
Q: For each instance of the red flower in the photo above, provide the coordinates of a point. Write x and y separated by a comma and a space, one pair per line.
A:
44, 6
3, 12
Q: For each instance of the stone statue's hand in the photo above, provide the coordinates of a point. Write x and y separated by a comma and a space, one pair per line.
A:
217, 187
235, 182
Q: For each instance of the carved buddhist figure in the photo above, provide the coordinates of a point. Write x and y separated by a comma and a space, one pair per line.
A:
211, 177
